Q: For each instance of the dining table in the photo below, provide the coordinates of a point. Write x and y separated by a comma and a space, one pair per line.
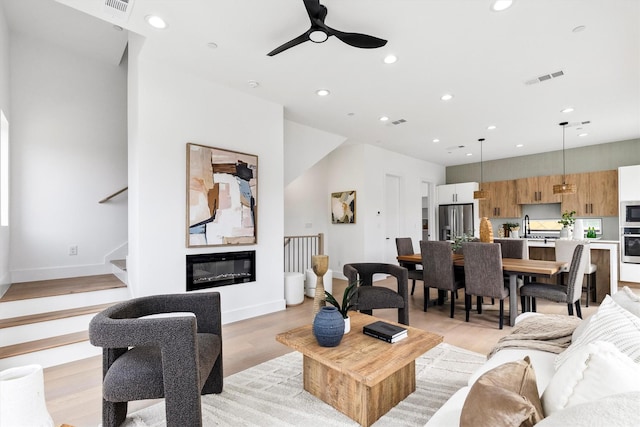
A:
512, 267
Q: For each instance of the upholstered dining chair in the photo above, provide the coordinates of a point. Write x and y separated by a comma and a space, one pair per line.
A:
161, 346
404, 245
569, 294
438, 271
564, 252
370, 297
483, 275
516, 249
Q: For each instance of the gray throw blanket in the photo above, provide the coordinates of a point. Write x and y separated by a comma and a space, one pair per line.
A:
548, 332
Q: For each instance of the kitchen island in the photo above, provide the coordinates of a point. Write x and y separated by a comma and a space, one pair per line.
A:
604, 254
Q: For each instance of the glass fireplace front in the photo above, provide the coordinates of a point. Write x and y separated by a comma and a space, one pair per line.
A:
220, 269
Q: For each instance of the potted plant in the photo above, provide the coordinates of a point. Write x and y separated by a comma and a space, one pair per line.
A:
459, 240
510, 227
347, 303
566, 221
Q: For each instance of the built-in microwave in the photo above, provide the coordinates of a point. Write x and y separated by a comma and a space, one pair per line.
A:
630, 214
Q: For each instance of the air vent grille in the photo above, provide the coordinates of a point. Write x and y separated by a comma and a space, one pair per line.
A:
119, 9
545, 77
398, 122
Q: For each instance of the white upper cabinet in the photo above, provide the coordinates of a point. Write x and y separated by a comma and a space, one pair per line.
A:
456, 193
629, 183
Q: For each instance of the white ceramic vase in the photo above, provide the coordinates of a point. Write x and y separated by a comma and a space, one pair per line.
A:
578, 230
347, 325
22, 401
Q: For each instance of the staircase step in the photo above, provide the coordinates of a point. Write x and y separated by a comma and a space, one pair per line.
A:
55, 287
53, 315
43, 344
120, 263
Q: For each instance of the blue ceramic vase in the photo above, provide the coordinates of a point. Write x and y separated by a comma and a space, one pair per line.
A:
328, 327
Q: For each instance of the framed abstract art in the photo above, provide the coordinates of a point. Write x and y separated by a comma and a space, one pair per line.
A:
221, 197
343, 207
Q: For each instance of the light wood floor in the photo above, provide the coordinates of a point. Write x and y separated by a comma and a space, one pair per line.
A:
73, 391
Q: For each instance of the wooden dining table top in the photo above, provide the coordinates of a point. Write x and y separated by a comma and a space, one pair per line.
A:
527, 266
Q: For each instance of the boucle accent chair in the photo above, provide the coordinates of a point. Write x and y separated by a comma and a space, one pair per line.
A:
438, 272
177, 357
370, 297
404, 246
483, 276
569, 294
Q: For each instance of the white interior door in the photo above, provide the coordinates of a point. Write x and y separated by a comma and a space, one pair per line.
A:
392, 217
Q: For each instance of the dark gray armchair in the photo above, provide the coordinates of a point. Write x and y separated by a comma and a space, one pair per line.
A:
177, 357
370, 297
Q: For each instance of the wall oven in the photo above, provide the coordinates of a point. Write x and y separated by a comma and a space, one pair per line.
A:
630, 212
631, 245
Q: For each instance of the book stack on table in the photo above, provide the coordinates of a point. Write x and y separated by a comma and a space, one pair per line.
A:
385, 331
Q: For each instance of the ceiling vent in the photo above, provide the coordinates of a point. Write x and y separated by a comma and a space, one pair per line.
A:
118, 9
453, 148
545, 77
398, 122
574, 124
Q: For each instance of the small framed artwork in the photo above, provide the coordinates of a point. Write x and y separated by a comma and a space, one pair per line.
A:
343, 207
222, 187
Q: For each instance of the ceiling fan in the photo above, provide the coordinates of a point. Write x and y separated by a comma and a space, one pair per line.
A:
319, 32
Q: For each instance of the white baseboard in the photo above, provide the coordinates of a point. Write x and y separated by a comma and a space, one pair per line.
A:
19, 276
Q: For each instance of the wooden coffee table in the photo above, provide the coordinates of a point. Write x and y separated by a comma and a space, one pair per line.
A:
363, 377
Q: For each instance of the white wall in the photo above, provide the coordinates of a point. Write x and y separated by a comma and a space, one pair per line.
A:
68, 134
304, 146
168, 109
362, 168
5, 235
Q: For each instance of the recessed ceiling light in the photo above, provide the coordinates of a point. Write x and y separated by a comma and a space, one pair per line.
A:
322, 92
390, 59
253, 84
351, 114
383, 118
491, 127
436, 140
567, 110
446, 97
583, 134
118, 28
500, 5
519, 145
156, 22
212, 45
579, 28
469, 154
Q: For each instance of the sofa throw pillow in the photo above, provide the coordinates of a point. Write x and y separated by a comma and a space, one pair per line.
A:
610, 323
595, 370
626, 299
505, 396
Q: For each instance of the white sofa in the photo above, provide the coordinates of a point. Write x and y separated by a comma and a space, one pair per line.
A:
595, 382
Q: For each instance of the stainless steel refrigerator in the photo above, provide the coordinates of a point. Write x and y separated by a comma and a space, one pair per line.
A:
454, 220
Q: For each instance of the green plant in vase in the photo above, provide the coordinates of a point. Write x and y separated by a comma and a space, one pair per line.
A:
568, 219
347, 303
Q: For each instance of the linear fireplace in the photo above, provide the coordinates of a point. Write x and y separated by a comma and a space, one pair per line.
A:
220, 269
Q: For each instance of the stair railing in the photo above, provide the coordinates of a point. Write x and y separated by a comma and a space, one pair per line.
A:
111, 196
298, 251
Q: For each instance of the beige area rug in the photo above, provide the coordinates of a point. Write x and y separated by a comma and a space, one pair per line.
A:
271, 394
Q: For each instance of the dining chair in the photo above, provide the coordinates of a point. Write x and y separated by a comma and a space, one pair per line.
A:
404, 245
369, 297
483, 275
564, 252
516, 249
438, 271
569, 294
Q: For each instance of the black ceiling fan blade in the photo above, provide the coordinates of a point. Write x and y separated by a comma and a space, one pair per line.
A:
291, 43
315, 10
363, 41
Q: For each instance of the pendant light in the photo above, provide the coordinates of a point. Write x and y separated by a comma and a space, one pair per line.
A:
564, 188
481, 194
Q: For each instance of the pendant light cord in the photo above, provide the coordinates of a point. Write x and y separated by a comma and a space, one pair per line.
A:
481, 168
564, 162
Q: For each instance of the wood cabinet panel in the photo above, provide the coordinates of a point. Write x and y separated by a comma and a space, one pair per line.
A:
537, 189
596, 194
502, 200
